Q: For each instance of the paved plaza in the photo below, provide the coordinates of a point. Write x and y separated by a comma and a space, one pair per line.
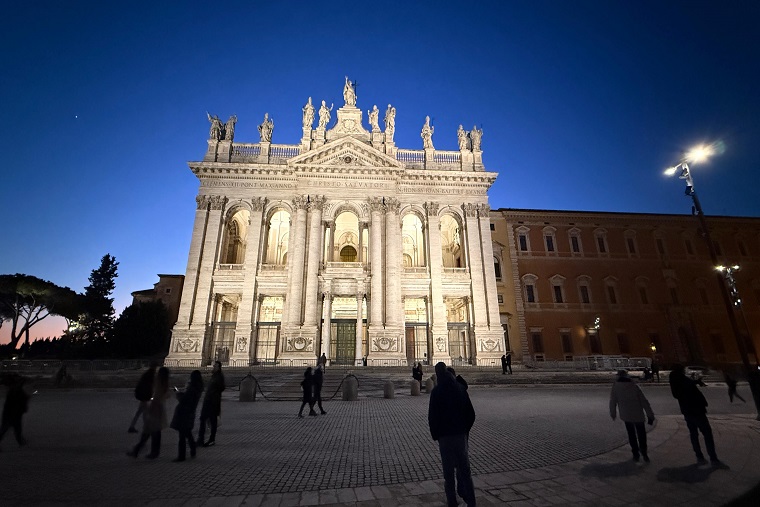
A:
529, 446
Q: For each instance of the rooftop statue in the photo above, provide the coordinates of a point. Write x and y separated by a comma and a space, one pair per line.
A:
427, 134
462, 138
373, 118
308, 115
475, 136
349, 94
215, 132
229, 128
265, 129
324, 115
390, 120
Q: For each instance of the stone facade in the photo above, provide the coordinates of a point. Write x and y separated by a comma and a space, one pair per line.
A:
342, 244
168, 290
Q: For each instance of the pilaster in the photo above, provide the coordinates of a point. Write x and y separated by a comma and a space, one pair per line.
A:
312, 262
296, 271
376, 318
438, 325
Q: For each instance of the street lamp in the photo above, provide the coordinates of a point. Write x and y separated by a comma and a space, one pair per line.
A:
726, 281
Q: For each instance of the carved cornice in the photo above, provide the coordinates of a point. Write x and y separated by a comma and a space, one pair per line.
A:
217, 202
431, 208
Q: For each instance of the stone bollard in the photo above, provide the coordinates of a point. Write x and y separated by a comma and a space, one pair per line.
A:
350, 389
388, 392
415, 388
248, 389
429, 384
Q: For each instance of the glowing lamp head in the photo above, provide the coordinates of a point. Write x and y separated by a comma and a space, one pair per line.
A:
699, 153
670, 171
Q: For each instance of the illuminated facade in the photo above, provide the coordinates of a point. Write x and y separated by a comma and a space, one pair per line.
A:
343, 244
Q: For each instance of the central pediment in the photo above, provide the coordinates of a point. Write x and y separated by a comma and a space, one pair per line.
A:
345, 152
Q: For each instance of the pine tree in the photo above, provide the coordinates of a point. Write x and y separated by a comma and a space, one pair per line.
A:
98, 320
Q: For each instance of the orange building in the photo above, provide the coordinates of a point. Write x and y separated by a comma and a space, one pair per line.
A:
574, 283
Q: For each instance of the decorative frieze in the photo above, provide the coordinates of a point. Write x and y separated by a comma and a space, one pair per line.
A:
385, 344
470, 210
299, 344
431, 208
187, 345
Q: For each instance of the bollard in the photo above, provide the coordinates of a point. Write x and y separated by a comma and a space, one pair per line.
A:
415, 388
429, 384
350, 389
388, 391
248, 389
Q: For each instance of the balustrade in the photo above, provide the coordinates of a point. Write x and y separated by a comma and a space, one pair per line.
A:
284, 151
245, 152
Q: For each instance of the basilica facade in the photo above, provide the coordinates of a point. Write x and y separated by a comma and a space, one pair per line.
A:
343, 245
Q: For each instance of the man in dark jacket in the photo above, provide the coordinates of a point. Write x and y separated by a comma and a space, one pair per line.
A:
212, 406
16, 404
319, 378
451, 416
694, 409
143, 393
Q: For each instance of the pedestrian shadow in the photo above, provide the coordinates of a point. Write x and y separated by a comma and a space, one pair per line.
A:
602, 470
689, 474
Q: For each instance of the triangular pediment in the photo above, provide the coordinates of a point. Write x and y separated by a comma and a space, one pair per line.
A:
345, 152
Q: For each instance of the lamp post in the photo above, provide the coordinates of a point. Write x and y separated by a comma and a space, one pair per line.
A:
723, 280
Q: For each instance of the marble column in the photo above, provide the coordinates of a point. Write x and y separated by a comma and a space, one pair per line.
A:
475, 263
243, 327
256, 318
193, 264
327, 325
376, 266
359, 330
312, 263
298, 247
439, 323
492, 303
393, 309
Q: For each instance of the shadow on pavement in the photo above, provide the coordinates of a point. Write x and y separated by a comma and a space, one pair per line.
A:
689, 474
624, 468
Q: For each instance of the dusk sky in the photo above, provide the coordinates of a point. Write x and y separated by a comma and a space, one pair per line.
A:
582, 104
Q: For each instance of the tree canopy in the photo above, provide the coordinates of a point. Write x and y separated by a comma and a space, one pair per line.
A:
26, 300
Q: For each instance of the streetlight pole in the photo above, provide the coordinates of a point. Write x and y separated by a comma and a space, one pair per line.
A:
754, 385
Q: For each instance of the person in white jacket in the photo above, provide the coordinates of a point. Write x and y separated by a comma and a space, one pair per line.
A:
632, 404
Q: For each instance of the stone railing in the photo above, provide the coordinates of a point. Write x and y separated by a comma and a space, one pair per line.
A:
344, 265
230, 267
411, 158
457, 271
273, 267
245, 152
448, 158
284, 151
415, 269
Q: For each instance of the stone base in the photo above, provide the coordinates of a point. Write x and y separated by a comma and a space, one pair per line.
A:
186, 348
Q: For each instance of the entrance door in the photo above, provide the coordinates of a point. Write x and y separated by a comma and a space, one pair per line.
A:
410, 353
345, 341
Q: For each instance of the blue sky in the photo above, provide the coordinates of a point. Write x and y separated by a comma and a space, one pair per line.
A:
582, 103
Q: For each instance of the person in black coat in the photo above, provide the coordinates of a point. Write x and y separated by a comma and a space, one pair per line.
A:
16, 405
143, 393
307, 384
417, 373
212, 406
450, 417
319, 378
694, 409
509, 362
504, 364
184, 414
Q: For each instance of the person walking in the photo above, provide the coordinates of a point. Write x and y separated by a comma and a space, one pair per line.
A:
694, 409
509, 362
731, 383
154, 418
184, 414
417, 373
630, 400
504, 364
212, 406
450, 417
307, 385
323, 361
16, 405
143, 392
319, 378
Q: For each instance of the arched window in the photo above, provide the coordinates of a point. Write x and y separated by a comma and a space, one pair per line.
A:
277, 238
346, 237
451, 242
413, 240
233, 247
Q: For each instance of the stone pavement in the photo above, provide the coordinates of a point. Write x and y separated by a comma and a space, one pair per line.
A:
529, 446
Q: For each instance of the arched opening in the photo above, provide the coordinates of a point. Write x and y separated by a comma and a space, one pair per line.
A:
413, 240
233, 246
277, 238
348, 254
451, 242
346, 238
